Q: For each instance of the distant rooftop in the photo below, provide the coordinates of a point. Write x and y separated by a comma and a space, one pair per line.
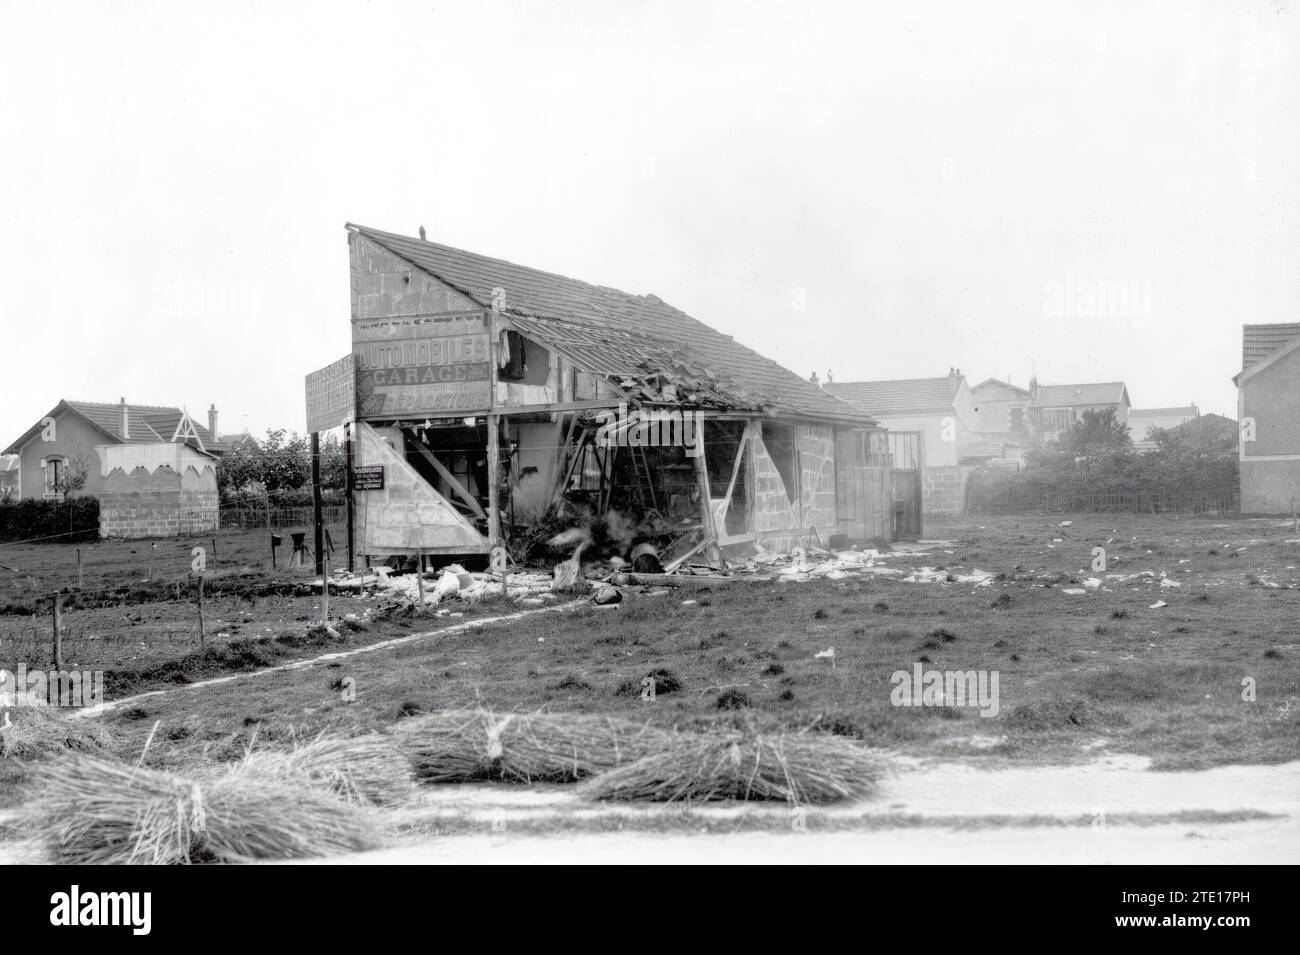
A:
899, 396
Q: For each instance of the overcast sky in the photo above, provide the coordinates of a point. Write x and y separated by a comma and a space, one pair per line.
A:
935, 184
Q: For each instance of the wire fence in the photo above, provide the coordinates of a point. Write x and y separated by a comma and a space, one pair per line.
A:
140, 570
277, 518
1058, 501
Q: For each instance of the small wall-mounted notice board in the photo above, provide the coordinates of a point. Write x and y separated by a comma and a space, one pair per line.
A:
369, 477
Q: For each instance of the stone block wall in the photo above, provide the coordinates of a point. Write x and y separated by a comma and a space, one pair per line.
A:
943, 490
161, 503
773, 509
384, 285
817, 478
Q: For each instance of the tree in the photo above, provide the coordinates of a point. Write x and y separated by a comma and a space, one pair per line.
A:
1209, 434
278, 466
240, 468
75, 472
1096, 434
286, 461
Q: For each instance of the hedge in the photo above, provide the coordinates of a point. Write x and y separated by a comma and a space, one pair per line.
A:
76, 519
1123, 482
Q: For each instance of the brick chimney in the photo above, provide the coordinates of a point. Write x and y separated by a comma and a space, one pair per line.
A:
212, 423
1033, 389
126, 420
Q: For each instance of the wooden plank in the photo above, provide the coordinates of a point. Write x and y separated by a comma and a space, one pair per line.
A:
678, 561
727, 540
561, 406
452, 482
675, 579
735, 472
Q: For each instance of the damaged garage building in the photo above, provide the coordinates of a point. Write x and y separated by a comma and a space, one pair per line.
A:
479, 388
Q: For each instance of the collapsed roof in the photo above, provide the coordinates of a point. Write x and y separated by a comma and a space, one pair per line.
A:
638, 342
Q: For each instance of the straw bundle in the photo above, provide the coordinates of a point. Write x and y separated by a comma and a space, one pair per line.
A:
361, 769
465, 745
96, 811
36, 731
743, 765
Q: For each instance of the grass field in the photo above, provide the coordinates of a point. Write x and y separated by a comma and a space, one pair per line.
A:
133, 571
1080, 674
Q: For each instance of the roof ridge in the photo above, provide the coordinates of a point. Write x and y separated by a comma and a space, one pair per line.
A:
884, 381
367, 230
118, 404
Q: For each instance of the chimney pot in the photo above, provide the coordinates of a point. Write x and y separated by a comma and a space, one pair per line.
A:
212, 423
126, 419
422, 233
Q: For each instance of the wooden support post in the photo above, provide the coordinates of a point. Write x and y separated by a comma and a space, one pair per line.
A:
349, 490
316, 513
214, 553
58, 631
80, 579
494, 480
153, 546
419, 578
203, 636
493, 438
706, 505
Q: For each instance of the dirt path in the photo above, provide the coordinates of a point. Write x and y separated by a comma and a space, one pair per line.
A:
320, 660
1107, 812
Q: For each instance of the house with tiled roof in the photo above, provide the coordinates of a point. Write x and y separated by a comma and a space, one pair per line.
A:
490, 395
930, 422
62, 452
938, 409
1143, 421
1054, 408
1268, 405
999, 407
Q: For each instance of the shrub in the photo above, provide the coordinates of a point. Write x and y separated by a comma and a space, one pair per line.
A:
74, 519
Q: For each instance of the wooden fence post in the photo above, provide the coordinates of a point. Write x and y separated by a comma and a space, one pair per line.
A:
203, 642
317, 519
325, 598
58, 631
419, 577
80, 585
